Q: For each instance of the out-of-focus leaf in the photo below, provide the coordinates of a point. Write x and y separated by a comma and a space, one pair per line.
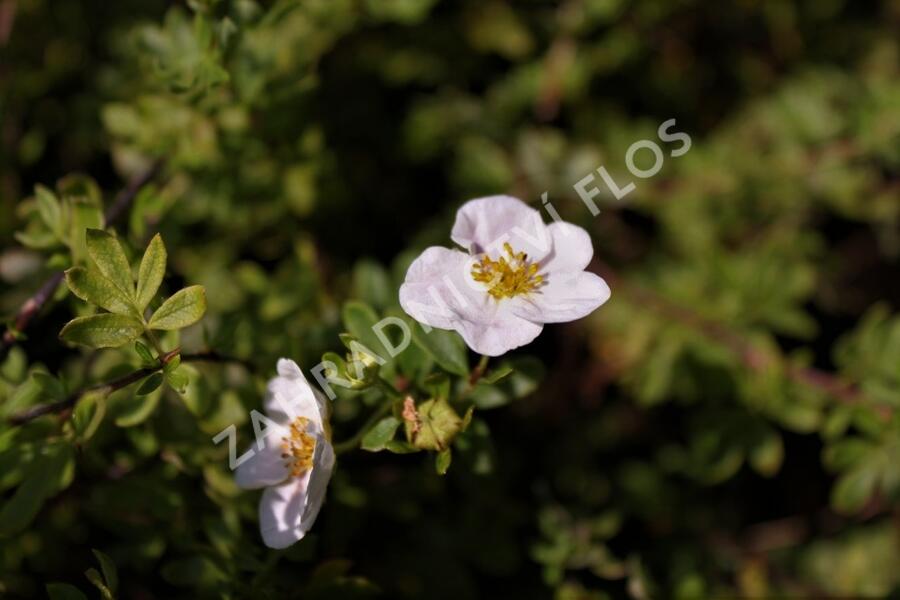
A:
854, 488
64, 591
195, 571
88, 415
150, 384
50, 211
446, 347
135, 409
49, 474
177, 379
110, 574
360, 320
372, 284
381, 433
95, 578
442, 461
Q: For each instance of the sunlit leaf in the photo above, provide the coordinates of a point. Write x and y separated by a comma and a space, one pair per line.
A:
183, 308
151, 272
91, 286
106, 252
102, 331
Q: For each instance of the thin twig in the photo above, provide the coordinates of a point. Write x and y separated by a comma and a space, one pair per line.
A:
7, 20
752, 358
33, 305
123, 200
109, 387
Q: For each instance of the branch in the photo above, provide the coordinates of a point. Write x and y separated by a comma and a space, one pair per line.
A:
109, 387
33, 305
123, 200
7, 20
752, 358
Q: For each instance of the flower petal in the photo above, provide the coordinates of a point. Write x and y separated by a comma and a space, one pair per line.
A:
288, 511
289, 396
572, 248
281, 512
265, 467
318, 482
439, 291
484, 224
564, 297
499, 334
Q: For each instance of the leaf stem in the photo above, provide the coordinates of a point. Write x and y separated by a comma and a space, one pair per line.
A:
155, 343
478, 371
69, 402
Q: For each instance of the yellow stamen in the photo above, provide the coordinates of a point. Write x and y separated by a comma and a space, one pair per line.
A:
298, 447
510, 277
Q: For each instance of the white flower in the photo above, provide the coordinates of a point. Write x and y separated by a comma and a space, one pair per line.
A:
517, 274
296, 461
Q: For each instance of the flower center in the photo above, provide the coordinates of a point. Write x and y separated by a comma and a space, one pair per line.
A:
298, 447
507, 277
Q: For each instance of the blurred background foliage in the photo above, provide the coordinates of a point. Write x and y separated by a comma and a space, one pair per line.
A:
726, 426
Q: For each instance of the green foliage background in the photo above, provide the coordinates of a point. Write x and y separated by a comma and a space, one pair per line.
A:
724, 427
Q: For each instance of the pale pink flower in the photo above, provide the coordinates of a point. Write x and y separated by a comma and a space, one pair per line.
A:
296, 460
516, 274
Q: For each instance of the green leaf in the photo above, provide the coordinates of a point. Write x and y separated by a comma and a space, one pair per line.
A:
49, 474
433, 426
51, 388
380, 434
768, 454
486, 396
527, 374
400, 447
372, 283
30, 391
50, 210
150, 384
178, 381
64, 591
135, 409
109, 570
848, 452
91, 286
94, 577
360, 319
497, 374
442, 461
854, 488
106, 252
144, 353
183, 308
446, 347
102, 331
172, 364
437, 385
151, 272
88, 415
84, 215
195, 571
